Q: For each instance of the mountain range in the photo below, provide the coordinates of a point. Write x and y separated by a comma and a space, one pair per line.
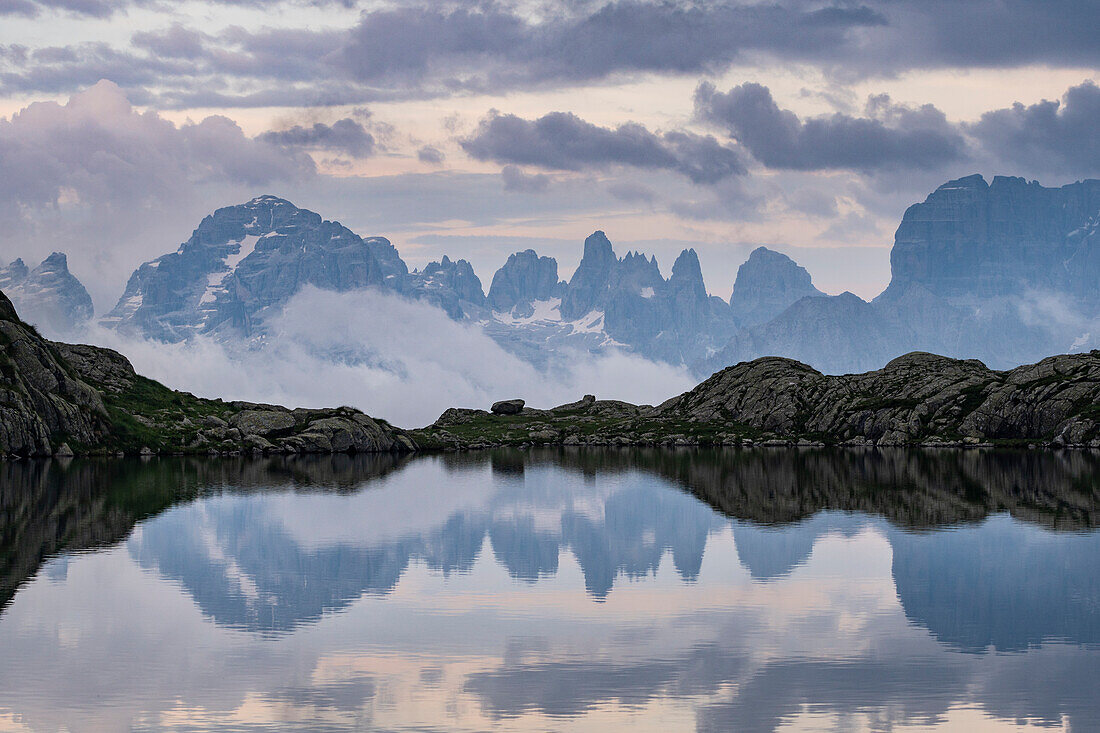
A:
1004, 272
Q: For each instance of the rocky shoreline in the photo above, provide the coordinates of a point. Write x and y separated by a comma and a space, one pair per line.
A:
63, 400
915, 400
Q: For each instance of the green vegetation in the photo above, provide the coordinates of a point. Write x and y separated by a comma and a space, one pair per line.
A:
148, 414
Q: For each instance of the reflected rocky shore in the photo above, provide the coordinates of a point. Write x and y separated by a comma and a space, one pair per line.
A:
48, 507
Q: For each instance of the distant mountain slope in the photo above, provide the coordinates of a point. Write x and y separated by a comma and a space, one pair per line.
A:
1005, 272
49, 295
243, 262
767, 284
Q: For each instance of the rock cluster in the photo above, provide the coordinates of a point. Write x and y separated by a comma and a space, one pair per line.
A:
507, 407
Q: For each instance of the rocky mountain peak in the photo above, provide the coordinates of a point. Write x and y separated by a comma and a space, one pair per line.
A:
450, 284
17, 270
975, 181
590, 280
49, 295
968, 241
636, 271
767, 284
687, 274
57, 261
13, 274
598, 249
524, 278
245, 261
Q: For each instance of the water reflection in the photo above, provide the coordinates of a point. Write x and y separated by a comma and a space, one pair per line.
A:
707, 590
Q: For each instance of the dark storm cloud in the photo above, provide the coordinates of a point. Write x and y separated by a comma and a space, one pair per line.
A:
986, 33
343, 136
1049, 135
891, 136
107, 8
506, 48
563, 141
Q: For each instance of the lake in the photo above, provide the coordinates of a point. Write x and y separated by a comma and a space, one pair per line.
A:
748, 590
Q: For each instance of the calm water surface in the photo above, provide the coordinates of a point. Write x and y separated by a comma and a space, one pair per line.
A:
585, 590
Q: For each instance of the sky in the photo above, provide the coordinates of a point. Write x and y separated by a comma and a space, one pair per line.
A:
477, 129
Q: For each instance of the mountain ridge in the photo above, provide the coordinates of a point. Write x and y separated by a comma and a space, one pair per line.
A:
1002, 271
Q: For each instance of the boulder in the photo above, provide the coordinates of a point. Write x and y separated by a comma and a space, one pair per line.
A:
508, 407
262, 422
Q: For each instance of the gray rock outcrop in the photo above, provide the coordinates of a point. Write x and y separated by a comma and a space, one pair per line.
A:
42, 398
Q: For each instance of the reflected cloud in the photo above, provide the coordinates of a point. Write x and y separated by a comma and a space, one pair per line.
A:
745, 590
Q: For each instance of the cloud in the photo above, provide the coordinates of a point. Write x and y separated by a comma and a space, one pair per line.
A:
430, 154
98, 150
416, 50
516, 179
344, 136
563, 141
1047, 136
177, 42
18, 7
112, 186
890, 137
31, 8
406, 363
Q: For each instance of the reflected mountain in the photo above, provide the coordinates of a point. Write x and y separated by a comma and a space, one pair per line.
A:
243, 560
257, 555
48, 507
1002, 584
770, 552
